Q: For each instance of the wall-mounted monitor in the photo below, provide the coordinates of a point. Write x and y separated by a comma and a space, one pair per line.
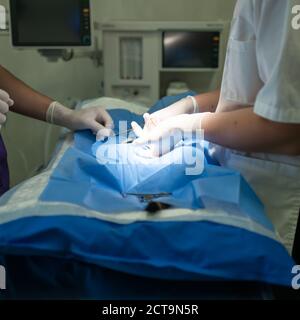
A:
191, 49
50, 23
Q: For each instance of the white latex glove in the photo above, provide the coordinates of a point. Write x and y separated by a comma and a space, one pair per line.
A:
186, 105
95, 118
5, 103
165, 135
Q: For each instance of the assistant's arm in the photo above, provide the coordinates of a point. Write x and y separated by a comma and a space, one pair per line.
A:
26, 100
33, 104
246, 131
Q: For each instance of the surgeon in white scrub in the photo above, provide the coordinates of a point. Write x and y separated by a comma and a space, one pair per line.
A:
253, 122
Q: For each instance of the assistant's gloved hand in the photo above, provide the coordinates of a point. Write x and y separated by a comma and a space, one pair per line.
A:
171, 130
5, 103
186, 105
95, 118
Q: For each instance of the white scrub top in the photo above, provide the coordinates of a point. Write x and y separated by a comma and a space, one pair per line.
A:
262, 68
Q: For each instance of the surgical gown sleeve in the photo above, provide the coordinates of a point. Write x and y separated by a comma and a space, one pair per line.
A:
278, 56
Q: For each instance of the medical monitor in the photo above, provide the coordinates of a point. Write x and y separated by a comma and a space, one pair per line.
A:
191, 49
50, 23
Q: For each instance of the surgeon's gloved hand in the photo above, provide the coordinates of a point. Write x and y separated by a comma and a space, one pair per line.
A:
95, 118
162, 138
5, 103
186, 105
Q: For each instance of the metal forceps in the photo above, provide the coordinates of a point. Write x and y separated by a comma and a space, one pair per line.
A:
148, 197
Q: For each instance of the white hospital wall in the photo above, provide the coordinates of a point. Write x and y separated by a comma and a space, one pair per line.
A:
65, 81
165, 10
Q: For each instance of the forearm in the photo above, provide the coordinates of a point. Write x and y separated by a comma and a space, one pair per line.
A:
243, 130
26, 101
208, 102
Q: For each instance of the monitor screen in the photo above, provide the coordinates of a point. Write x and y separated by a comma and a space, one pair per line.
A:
50, 23
191, 49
